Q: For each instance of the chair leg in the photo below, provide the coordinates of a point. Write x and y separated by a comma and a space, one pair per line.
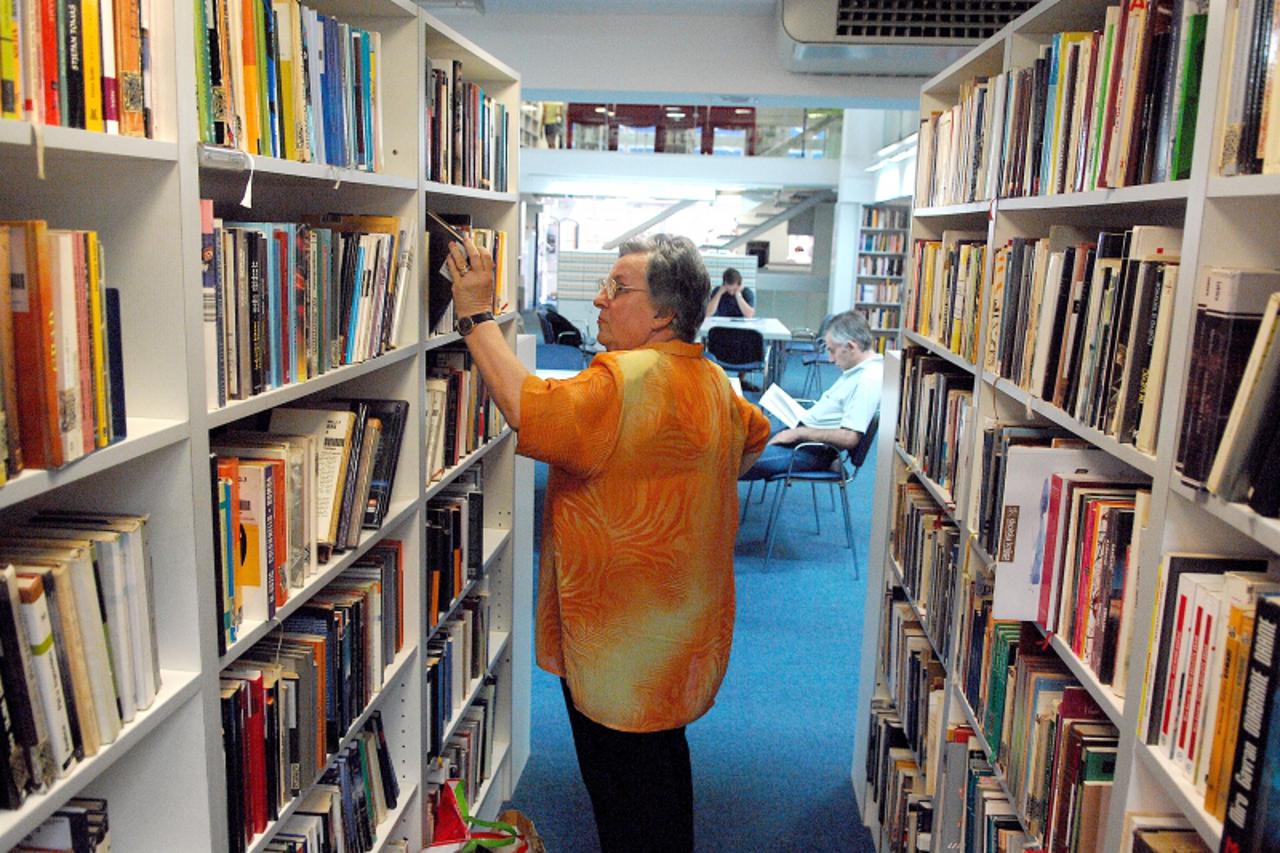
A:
746, 504
772, 529
848, 530
817, 519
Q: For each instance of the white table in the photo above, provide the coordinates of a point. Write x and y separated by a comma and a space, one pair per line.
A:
770, 328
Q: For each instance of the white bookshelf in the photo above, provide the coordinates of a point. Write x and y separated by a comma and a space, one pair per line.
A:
164, 775
1225, 221
892, 224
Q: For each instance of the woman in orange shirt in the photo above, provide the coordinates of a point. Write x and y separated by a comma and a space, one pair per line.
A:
636, 588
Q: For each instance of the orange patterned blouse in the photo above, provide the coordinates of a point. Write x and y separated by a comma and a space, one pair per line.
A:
636, 587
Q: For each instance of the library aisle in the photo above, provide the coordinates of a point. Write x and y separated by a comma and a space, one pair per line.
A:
770, 771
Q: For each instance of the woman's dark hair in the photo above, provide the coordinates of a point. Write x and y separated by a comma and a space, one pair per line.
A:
677, 278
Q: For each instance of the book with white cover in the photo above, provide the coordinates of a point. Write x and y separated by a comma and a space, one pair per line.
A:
782, 406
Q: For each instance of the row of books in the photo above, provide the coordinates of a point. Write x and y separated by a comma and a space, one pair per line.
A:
77, 632
289, 703
61, 362
458, 658
444, 229
944, 301
1112, 107
279, 79
467, 130
80, 826
342, 811
461, 414
895, 782
913, 685
285, 301
1250, 146
85, 64
1085, 324
881, 318
288, 497
1205, 628
886, 217
454, 542
1228, 441
881, 242
880, 292
879, 265
927, 548
933, 417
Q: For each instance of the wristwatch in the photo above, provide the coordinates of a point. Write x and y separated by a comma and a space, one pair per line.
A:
466, 324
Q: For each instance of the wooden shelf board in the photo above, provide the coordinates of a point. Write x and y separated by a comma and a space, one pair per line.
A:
436, 188
1126, 453
939, 350
466, 462
252, 633
146, 435
1244, 186
1183, 794
1111, 704
176, 687
237, 409
975, 209
1265, 531
388, 825
937, 492
501, 755
214, 158
398, 669
1167, 192
437, 341
88, 144
920, 615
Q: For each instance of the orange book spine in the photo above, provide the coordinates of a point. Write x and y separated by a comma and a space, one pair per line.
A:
31, 293
131, 100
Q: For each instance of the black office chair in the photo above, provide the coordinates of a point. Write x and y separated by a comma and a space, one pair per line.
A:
740, 350
810, 345
844, 468
556, 329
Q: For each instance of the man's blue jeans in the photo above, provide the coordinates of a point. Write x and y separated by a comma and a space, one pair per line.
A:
777, 457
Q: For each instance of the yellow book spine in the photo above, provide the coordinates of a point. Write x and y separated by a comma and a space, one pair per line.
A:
10, 62
284, 38
97, 336
91, 21
248, 40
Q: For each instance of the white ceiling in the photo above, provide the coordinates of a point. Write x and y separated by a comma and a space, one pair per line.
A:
744, 8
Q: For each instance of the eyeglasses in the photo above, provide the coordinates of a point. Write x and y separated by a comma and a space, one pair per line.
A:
610, 287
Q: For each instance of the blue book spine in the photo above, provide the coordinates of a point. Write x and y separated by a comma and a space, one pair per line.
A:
1046, 144
357, 286
290, 273
271, 52
367, 89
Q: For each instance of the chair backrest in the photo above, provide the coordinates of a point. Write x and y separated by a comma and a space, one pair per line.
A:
859, 454
728, 345
556, 329
558, 357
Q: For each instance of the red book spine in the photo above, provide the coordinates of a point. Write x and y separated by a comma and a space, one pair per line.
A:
1198, 638
49, 59
282, 285
281, 555
1173, 666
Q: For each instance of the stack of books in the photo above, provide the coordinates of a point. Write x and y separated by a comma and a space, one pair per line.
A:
85, 65
1250, 142
1097, 109
280, 79
467, 130
461, 416
286, 499
77, 632
937, 406
61, 362
945, 299
284, 301
457, 659
79, 825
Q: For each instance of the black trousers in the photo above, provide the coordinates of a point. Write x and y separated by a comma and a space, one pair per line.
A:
641, 785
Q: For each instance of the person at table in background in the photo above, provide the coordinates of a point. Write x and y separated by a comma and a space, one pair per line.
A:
731, 299
842, 414
636, 586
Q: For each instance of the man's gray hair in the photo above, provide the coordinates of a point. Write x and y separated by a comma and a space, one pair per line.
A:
678, 281
851, 327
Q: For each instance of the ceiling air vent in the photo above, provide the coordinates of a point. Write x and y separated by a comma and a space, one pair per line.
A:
893, 38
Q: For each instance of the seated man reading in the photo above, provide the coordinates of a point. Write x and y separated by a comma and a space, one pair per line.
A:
841, 416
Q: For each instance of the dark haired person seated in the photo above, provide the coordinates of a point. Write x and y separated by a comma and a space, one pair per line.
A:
841, 416
731, 299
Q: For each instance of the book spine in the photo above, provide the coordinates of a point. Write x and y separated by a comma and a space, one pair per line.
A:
1257, 717
38, 629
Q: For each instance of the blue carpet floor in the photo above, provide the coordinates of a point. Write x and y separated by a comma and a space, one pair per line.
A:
772, 759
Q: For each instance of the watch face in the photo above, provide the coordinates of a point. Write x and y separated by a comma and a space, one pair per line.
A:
464, 325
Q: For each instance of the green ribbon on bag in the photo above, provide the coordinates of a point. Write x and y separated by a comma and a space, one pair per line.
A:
476, 843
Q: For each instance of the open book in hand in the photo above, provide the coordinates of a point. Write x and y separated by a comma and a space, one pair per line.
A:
782, 405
